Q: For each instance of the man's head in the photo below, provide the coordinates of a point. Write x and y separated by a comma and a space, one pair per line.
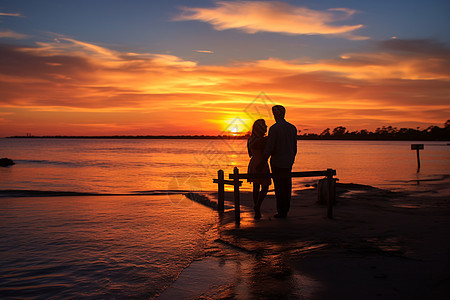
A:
278, 112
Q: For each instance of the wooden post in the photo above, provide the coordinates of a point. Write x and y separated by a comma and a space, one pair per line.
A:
237, 200
331, 195
220, 191
417, 147
418, 160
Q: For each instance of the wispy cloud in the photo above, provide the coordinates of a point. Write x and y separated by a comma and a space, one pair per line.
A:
12, 35
9, 33
10, 14
259, 16
204, 51
69, 82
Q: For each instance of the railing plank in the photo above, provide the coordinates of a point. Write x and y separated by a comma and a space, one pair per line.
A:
293, 174
230, 182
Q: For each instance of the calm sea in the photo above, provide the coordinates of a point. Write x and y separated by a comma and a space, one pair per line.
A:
133, 166
135, 243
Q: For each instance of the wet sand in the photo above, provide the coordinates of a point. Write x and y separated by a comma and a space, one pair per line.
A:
379, 245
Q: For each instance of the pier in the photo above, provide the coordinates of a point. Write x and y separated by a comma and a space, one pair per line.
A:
236, 182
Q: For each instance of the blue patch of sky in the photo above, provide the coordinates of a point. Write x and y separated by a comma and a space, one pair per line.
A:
147, 26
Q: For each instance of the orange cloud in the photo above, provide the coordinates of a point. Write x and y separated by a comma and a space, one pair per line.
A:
259, 16
73, 87
9, 33
12, 34
204, 51
10, 14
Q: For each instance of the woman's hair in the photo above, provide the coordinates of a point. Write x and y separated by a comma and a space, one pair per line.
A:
259, 128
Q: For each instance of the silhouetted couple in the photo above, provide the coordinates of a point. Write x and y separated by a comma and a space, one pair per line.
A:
281, 146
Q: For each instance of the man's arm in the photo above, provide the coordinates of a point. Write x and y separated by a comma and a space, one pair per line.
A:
270, 145
295, 140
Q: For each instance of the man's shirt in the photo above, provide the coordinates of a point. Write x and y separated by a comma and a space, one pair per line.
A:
282, 144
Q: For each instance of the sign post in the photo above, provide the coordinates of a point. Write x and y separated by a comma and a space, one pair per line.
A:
417, 147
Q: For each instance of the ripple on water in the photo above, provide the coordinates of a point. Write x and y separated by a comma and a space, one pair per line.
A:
91, 247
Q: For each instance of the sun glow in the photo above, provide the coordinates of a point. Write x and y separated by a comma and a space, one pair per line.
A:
238, 125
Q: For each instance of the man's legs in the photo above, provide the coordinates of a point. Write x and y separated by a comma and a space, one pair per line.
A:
282, 181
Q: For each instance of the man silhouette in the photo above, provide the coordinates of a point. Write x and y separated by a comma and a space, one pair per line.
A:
281, 147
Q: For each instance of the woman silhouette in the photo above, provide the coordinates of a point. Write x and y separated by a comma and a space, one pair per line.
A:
258, 164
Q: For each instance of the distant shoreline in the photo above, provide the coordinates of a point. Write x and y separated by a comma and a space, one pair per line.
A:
214, 137
132, 137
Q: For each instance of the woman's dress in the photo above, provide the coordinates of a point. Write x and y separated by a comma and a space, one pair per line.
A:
258, 164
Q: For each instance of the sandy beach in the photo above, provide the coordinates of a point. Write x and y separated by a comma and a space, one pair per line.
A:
379, 245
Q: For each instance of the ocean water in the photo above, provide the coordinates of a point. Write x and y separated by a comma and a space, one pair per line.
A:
138, 233
114, 247
152, 166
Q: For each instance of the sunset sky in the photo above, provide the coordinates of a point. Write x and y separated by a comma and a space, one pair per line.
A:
138, 67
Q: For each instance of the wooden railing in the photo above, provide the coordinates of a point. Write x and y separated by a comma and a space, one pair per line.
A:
236, 182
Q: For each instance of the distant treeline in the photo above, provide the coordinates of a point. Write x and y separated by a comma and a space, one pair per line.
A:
432, 133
